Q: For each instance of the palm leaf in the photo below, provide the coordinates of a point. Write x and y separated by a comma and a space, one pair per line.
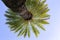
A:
35, 30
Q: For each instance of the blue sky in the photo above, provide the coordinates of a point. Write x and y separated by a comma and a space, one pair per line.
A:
52, 30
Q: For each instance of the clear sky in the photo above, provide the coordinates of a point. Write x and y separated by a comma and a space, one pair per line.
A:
52, 30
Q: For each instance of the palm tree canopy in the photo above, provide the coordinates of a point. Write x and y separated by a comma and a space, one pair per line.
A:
39, 11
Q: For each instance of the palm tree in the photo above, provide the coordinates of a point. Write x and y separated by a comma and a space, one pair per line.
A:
23, 23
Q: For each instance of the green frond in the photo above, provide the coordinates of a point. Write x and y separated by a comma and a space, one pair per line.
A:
28, 31
25, 32
21, 31
19, 28
10, 12
44, 22
40, 26
44, 15
35, 30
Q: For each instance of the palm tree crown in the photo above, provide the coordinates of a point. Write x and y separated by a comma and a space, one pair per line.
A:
38, 9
